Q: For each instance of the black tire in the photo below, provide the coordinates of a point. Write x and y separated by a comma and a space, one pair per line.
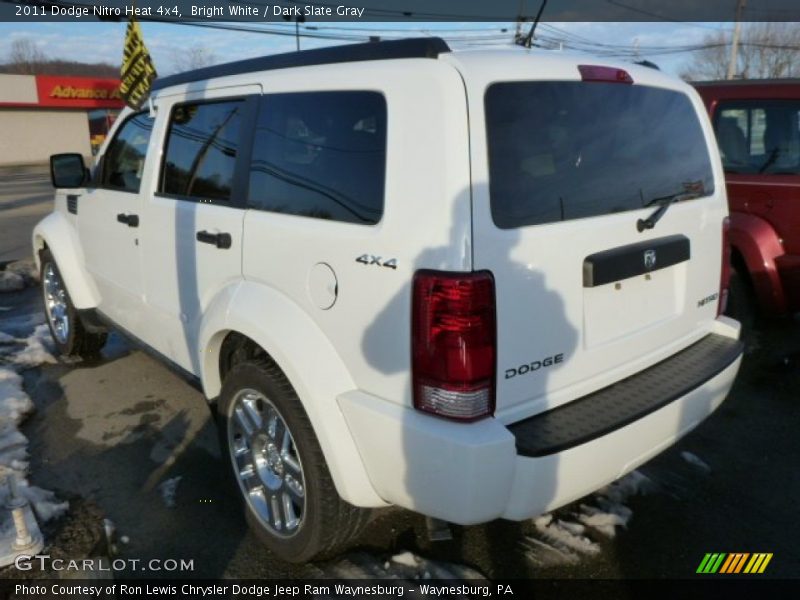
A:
77, 341
742, 305
328, 523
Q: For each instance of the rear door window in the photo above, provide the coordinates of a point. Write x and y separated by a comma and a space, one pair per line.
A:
320, 155
571, 150
202, 144
759, 137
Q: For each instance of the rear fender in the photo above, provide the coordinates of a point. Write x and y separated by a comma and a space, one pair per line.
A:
309, 361
57, 234
759, 245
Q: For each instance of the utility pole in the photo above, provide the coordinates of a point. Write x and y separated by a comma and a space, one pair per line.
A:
737, 30
297, 21
520, 17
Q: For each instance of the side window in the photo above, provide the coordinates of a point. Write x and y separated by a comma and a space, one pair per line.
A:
123, 161
760, 137
320, 155
201, 148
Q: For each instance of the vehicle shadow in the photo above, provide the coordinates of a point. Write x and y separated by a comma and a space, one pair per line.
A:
521, 289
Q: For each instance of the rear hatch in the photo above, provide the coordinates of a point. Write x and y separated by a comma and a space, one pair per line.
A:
563, 171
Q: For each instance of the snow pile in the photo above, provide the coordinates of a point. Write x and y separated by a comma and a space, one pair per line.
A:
18, 275
15, 405
567, 536
25, 269
37, 349
10, 281
169, 489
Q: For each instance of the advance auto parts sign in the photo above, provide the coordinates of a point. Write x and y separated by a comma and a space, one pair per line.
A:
78, 92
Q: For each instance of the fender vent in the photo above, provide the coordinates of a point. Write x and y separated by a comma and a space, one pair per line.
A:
72, 203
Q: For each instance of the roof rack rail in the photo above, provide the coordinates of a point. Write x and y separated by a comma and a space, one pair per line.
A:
427, 47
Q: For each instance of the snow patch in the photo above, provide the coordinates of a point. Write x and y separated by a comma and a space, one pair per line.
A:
25, 269
14, 402
15, 406
169, 489
11, 282
695, 461
604, 522
570, 534
37, 350
406, 558
565, 535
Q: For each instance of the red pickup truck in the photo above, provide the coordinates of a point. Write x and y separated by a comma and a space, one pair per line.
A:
757, 123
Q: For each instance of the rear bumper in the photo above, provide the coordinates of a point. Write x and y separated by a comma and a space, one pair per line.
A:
473, 473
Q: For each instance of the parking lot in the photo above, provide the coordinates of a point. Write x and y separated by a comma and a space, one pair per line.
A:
114, 430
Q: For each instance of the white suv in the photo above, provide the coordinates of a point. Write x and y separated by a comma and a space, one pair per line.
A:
476, 285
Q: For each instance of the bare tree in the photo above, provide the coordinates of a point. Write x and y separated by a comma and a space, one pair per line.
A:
766, 50
25, 58
194, 57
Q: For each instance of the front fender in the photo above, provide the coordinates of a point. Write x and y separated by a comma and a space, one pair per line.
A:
309, 361
759, 244
58, 234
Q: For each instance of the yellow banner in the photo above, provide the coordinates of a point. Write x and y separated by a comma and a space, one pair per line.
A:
138, 71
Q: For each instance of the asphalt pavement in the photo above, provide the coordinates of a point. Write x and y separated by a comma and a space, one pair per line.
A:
26, 196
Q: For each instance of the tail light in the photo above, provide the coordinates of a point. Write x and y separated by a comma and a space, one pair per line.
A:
725, 274
453, 344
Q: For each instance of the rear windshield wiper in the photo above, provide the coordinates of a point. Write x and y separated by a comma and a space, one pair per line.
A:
666, 202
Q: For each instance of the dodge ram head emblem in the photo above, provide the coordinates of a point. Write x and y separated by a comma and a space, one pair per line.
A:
649, 259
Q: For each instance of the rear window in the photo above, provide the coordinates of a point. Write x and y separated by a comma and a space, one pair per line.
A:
571, 150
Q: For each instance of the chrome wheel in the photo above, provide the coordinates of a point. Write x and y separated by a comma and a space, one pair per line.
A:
55, 303
266, 463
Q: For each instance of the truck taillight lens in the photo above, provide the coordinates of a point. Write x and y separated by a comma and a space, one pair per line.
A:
725, 276
453, 344
607, 74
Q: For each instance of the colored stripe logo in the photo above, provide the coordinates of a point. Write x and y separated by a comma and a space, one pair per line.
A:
734, 562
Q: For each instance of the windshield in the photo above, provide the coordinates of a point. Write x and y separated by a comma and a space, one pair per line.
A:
570, 150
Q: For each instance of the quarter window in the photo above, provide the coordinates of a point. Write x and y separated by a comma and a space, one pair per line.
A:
123, 162
202, 144
320, 155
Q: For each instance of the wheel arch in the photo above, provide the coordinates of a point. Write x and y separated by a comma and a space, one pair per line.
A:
270, 322
57, 235
755, 246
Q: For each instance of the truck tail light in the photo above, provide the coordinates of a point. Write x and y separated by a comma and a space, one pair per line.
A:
610, 74
725, 274
453, 344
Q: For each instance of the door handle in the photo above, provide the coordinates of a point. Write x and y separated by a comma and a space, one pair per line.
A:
129, 220
220, 240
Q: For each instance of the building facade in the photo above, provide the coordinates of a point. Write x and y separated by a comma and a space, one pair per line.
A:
42, 115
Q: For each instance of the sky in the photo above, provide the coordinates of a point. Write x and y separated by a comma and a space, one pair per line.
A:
102, 42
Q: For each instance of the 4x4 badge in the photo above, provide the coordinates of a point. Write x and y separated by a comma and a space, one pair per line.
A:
369, 259
649, 259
